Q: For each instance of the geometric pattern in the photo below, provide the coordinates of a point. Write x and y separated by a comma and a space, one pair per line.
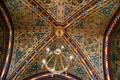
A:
80, 71
19, 55
54, 10
106, 11
33, 68
67, 11
34, 24
14, 4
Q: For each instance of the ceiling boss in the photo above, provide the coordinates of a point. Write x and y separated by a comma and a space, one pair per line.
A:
59, 31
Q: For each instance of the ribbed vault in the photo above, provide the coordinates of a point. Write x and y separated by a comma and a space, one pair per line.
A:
80, 25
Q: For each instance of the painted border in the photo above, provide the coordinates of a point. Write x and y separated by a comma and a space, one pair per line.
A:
8, 23
111, 27
41, 76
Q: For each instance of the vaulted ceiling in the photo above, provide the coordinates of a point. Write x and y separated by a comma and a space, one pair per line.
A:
83, 27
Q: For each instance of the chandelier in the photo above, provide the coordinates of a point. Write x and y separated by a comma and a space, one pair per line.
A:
57, 61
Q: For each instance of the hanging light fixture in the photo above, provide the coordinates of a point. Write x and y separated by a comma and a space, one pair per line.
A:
59, 57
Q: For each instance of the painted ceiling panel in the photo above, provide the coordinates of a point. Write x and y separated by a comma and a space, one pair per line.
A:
73, 30
61, 10
30, 31
88, 35
36, 66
